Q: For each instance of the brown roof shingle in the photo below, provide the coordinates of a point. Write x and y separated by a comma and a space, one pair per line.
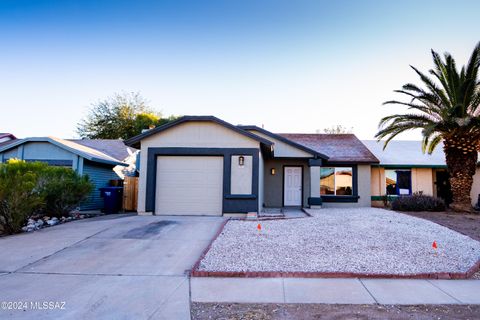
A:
338, 147
113, 147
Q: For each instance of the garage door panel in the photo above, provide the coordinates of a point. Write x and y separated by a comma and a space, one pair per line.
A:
189, 185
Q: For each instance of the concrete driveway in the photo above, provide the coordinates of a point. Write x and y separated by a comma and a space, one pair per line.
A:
115, 267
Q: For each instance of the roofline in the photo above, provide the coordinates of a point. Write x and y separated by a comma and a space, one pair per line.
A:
285, 140
4, 135
65, 147
134, 140
406, 166
341, 162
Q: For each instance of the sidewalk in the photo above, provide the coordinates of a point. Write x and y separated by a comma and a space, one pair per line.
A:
335, 291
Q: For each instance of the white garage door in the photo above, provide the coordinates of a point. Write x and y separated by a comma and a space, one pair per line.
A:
189, 185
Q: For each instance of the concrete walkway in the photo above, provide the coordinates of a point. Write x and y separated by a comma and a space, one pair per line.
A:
335, 291
111, 267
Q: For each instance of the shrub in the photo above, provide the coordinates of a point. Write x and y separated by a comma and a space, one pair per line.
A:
19, 195
62, 189
27, 188
418, 202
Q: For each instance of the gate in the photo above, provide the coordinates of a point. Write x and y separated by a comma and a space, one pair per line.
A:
130, 193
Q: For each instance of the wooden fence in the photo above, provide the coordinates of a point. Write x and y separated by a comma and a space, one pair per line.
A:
130, 193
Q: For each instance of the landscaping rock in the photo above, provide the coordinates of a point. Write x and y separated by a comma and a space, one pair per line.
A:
39, 223
353, 240
52, 221
31, 227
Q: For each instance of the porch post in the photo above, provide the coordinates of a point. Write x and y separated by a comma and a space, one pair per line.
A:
314, 184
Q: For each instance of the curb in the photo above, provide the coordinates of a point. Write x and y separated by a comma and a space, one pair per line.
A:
197, 263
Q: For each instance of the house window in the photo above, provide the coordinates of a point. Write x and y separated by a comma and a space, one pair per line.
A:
336, 181
398, 182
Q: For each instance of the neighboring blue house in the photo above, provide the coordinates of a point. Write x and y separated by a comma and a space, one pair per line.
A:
76, 154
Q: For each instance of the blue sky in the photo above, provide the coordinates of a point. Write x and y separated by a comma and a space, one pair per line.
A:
292, 66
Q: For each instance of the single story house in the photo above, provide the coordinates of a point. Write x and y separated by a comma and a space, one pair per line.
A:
404, 169
201, 165
97, 159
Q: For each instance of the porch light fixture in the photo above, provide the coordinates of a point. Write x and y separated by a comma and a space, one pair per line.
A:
272, 171
241, 161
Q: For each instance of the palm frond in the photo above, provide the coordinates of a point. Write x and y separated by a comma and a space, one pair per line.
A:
434, 143
447, 101
434, 88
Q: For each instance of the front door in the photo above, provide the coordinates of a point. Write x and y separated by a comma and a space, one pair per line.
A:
292, 194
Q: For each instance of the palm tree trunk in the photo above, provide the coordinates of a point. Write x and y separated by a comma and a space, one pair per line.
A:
461, 155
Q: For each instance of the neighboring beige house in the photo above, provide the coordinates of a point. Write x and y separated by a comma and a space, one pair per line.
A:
405, 169
201, 165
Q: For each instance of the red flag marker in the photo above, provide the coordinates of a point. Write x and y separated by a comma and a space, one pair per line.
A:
259, 227
434, 245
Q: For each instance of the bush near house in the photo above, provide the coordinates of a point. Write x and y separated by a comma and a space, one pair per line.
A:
28, 188
62, 190
19, 195
418, 202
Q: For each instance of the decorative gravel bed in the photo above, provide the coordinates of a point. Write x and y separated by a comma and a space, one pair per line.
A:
363, 240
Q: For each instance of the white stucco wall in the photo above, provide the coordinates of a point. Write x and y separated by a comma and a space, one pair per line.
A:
241, 176
422, 180
314, 181
189, 134
378, 185
364, 183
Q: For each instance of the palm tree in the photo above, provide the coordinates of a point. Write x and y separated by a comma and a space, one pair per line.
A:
446, 108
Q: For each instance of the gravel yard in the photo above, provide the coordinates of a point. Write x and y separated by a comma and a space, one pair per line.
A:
363, 240
468, 224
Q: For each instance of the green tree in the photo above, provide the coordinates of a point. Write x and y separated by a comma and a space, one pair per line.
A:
445, 108
119, 117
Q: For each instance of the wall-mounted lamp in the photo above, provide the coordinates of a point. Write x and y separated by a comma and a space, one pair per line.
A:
272, 171
241, 161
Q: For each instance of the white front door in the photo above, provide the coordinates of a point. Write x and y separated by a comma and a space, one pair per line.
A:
292, 195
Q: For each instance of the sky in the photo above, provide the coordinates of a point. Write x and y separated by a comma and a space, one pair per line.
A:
291, 66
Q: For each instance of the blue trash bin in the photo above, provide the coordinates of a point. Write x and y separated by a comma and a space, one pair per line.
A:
112, 199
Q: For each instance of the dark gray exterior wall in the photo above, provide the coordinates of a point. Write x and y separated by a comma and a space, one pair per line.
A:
273, 194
